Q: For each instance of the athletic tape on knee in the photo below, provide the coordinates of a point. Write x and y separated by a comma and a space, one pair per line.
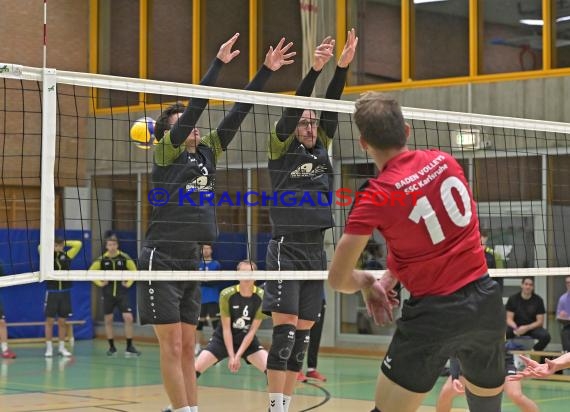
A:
483, 403
282, 345
295, 362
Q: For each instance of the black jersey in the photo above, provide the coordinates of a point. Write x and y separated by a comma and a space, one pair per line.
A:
525, 310
189, 180
302, 178
121, 261
302, 181
241, 310
61, 262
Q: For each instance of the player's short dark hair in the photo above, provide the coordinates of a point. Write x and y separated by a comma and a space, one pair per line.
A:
58, 240
163, 122
527, 278
251, 264
111, 238
380, 121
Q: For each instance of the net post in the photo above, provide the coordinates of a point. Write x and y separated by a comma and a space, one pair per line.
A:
47, 212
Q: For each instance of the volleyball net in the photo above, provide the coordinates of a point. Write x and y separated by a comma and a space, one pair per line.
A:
71, 168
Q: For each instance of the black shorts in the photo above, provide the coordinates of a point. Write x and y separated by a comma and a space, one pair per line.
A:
58, 304
217, 347
120, 301
210, 309
164, 302
298, 251
468, 324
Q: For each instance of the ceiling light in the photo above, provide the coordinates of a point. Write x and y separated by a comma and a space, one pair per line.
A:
426, 1
531, 22
538, 22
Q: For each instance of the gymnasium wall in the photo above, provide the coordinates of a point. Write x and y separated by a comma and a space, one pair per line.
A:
21, 31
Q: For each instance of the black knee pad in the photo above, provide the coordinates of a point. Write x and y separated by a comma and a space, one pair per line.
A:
282, 345
295, 362
483, 403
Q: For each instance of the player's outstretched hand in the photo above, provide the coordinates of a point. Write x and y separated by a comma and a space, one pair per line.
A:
323, 53
278, 57
225, 53
349, 49
534, 369
380, 300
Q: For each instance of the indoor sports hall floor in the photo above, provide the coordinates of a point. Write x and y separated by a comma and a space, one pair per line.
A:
91, 381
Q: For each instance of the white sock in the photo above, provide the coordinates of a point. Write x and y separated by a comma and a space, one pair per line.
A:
286, 403
194, 409
4, 346
276, 402
311, 369
184, 409
49, 344
61, 345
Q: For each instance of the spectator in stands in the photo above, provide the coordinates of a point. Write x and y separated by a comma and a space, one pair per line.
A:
525, 315
563, 316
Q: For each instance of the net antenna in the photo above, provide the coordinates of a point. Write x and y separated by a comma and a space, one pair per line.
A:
44, 64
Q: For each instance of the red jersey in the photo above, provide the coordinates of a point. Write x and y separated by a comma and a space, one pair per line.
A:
422, 205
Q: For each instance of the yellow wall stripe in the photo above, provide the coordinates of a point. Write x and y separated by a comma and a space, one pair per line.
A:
474, 24
196, 44
253, 39
406, 54
547, 34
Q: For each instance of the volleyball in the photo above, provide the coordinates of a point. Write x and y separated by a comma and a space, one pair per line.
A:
142, 132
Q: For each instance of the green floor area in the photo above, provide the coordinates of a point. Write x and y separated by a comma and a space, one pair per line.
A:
90, 368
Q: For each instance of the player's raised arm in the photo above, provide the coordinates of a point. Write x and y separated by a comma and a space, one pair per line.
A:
329, 120
276, 57
288, 121
187, 121
74, 247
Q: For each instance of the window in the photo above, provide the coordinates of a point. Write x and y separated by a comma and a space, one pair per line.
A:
118, 51
276, 19
507, 179
559, 196
511, 37
169, 43
116, 203
561, 33
379, 56
440, 39
220, 20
